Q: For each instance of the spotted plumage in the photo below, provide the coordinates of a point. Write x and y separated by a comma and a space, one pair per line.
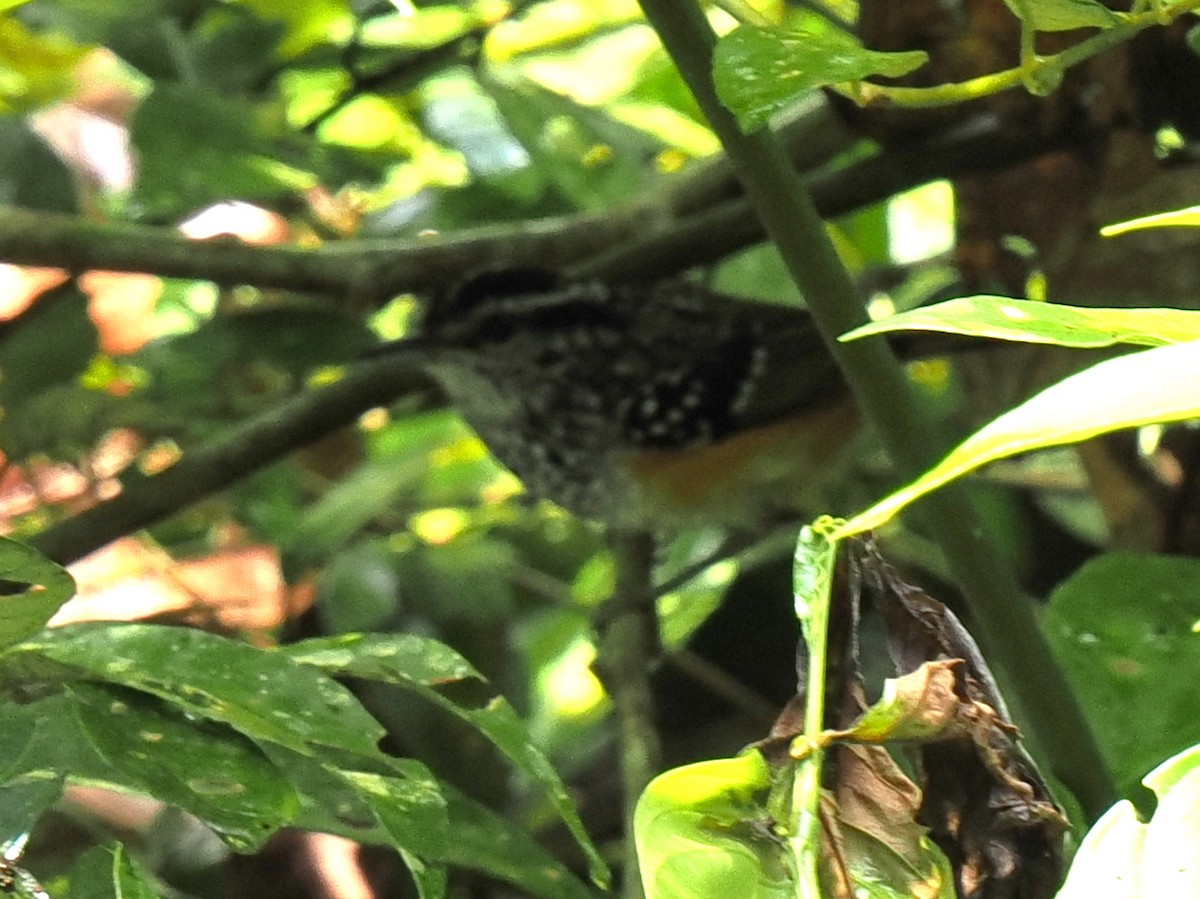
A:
565, 380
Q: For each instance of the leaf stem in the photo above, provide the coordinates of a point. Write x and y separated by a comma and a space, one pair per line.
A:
1031, 69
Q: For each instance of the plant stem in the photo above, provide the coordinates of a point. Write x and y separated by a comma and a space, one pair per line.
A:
1005, 619
628, 643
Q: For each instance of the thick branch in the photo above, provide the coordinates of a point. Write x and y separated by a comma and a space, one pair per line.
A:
145, 500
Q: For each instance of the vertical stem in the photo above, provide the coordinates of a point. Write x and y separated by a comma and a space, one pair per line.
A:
1005, 619
628, 643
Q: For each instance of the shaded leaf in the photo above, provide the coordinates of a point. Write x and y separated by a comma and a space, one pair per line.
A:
22, 802
31, 590
230, 154
1156, 385
760, 71
417, 663
485, 841
983, 799
108, 872
208, 769
1122, 628
1123, 857
1029, 321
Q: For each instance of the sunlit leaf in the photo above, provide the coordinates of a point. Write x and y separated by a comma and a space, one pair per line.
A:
1156, 385
1123, 857
1178, 218
485, 841
700, 833
1062, 15
1028, 321
36, 69
759, 71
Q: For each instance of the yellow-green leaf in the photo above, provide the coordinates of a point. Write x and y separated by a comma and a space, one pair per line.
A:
1178, 218
1029, 321
1155, 385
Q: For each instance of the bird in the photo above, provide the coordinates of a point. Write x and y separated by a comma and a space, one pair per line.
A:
639, 404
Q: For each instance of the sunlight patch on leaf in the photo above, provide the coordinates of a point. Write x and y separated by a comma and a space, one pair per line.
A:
1030, 321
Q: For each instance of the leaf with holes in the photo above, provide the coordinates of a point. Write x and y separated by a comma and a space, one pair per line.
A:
1177, 218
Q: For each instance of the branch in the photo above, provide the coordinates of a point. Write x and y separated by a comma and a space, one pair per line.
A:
628, 643
1006, 621
698, 218
145, 500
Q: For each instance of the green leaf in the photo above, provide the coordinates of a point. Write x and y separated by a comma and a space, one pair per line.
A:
485, 841
1178, 218
208, 769
31, 590
22, 802
109, 873
48, 345
1062, 15
38, 69
1125, 858
263, 694
1029, 321
1122, 628
230, 153
1156, 385
411, 809
759, 71
699, 833
418, 663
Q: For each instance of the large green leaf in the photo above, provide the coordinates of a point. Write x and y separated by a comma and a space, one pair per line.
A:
1029, 321
1122, 628
418, 664
1156, 385
263, 694
759, 71
31, 590
699, 833
1123, 857
208, 769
